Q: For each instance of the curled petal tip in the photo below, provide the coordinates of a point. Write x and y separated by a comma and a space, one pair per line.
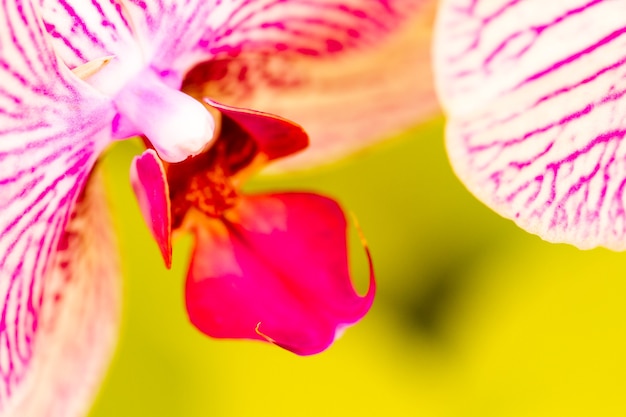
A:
275, 136
263, 335
368, 299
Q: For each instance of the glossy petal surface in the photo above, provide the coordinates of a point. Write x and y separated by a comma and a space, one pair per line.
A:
52, 127
276, 270
149, 183
78, 326
535, 97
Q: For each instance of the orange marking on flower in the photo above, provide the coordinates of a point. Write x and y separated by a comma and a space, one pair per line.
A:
211, 192
89, 68
357, 226
263, 335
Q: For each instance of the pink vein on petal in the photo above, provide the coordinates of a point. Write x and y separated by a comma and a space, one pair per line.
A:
52, 130
534, 126
85, 30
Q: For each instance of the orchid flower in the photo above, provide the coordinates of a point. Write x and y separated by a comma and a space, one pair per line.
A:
76, 76
534, 93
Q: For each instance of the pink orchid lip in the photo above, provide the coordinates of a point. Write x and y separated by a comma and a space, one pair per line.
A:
209, 181
275, 269
270, 267
56, 120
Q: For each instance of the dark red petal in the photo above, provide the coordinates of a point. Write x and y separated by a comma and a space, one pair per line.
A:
275, 136
276, 270
149, 182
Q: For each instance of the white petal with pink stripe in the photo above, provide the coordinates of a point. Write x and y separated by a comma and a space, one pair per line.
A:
52, 129
329, 65
534, 92
347, 61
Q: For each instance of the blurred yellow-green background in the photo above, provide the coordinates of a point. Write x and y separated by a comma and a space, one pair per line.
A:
474, 317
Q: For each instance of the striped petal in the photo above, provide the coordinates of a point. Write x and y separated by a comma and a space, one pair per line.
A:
83, 31
87, 32
162, 35
77, 327
350, 72
534, 92
52, 128
326, 64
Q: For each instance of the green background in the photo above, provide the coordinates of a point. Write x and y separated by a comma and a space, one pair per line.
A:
474, 317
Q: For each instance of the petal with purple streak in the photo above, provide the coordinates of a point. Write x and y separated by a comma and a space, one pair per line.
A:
534, 92
149, 182
52, 127
350, 72
162, 34
83, 31
79, 321
328, 64
275, 269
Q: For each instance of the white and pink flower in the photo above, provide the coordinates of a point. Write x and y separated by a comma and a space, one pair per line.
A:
76, 76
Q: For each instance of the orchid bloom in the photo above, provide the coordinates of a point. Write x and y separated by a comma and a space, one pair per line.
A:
534, 93
76, 76
267, 267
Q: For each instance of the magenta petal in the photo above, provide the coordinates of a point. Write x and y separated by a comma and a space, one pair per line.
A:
150, 185
276, 270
